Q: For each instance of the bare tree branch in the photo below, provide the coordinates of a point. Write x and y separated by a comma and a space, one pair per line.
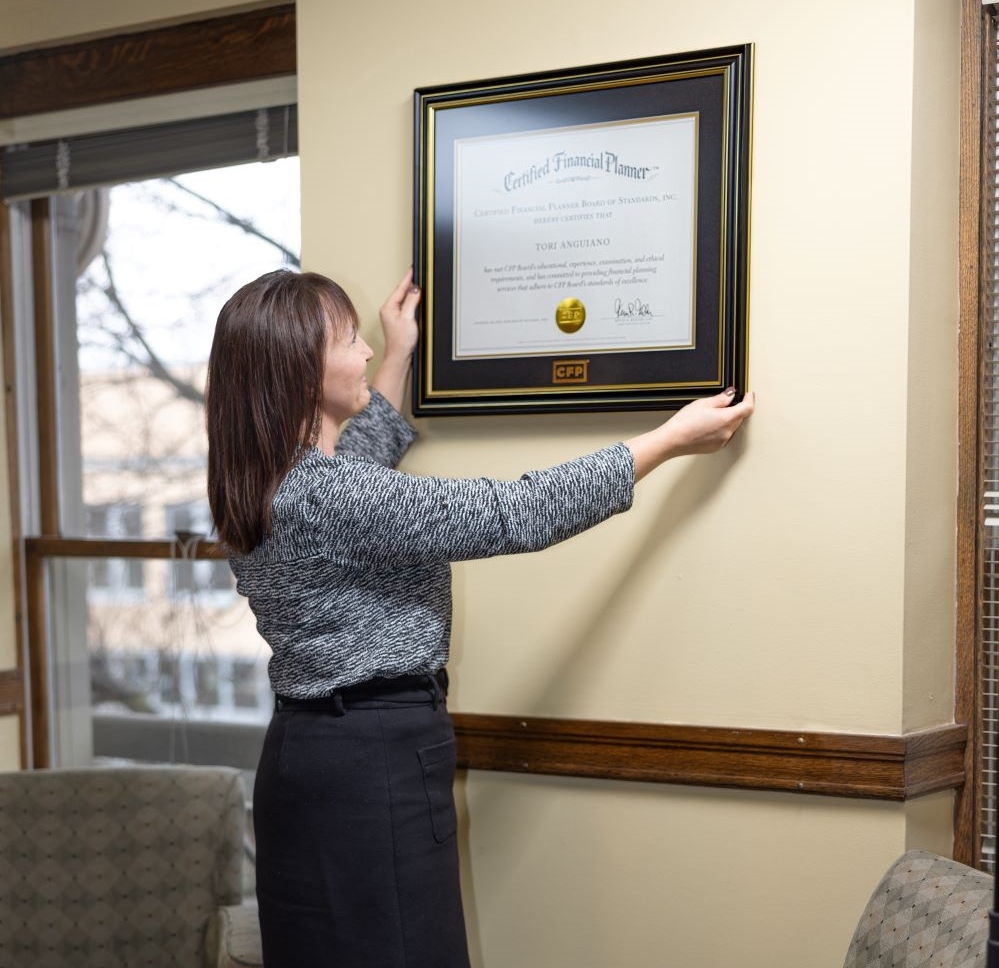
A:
152, 362
245, 224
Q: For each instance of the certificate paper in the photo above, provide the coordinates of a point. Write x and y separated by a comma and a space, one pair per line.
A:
576, 240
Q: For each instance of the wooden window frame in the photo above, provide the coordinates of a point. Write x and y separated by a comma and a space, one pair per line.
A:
230, 49
977, 39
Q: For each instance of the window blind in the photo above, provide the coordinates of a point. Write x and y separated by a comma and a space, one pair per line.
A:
989, 516
85, 161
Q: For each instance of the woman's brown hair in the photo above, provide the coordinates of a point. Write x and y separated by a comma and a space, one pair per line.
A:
263, 393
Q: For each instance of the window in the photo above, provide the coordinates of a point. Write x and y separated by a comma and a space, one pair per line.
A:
169, 684
206, 682
139, 271
246, 679
115, 521
191, 522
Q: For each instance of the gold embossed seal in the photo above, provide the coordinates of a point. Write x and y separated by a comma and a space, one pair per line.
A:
570, 314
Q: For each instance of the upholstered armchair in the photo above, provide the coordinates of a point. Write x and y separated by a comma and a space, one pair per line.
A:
927, 912
124, 866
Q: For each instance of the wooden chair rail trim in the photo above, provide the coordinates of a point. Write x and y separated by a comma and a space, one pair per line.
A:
229, 49
830, 764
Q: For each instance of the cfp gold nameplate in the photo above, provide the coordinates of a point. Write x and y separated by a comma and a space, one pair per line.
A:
570, 371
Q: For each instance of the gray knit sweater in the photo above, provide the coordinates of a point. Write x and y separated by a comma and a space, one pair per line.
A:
354, 580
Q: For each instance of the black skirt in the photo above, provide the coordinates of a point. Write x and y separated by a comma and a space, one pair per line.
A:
354, 816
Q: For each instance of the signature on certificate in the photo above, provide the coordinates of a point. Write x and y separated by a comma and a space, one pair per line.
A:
633, 309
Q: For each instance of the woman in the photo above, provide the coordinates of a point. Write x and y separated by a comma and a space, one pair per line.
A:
346, 565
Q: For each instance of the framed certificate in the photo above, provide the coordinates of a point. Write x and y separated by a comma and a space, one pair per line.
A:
581, 236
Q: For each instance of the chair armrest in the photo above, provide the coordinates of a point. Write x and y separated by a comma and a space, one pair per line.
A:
233, 938
928, 910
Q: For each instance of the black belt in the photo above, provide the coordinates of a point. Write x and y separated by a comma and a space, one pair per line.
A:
369, 691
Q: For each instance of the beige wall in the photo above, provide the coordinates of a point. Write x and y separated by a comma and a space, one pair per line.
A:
817, 532
802, 579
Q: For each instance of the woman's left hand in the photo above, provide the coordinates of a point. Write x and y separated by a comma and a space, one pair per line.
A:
398, 318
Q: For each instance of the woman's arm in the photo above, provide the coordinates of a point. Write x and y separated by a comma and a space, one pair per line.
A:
399, 326
361, 512
365, 513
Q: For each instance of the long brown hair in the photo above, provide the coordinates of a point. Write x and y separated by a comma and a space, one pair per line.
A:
263, 393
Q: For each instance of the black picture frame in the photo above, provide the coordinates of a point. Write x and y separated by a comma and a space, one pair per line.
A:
699, 101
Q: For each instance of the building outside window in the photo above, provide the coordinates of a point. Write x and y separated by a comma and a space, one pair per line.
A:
111, 575
189, 523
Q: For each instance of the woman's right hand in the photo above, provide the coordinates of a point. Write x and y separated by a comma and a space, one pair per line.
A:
398, 318
401, 330
701, 427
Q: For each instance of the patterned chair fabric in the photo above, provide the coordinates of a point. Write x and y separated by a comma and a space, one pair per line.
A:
927, 912
117, 866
